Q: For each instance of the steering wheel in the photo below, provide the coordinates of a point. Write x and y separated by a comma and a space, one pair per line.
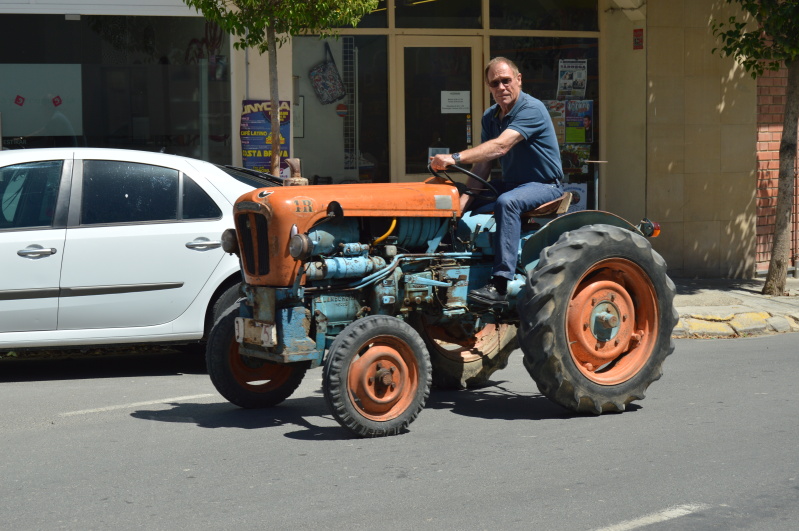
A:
462, 188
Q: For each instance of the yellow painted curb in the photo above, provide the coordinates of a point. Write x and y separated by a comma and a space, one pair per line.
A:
696, 327
743, 321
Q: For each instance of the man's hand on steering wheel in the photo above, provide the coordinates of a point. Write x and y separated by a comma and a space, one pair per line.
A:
440, 160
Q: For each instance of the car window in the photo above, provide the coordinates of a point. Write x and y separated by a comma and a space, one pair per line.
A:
28, 194
196, 203
125, 192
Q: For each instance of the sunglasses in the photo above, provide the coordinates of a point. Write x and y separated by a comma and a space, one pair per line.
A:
501, 81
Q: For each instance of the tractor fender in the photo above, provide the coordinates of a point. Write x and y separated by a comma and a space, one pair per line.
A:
549, 233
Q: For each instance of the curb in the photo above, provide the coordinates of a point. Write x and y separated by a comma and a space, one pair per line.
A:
733, 325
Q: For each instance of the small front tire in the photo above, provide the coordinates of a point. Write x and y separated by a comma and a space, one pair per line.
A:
377, 376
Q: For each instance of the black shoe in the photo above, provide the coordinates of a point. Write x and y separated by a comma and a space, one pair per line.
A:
488, 294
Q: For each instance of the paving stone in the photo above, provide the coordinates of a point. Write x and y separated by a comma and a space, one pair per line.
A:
750, 323
701, 328
779, 323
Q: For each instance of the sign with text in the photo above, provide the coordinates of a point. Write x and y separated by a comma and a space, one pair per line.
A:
256, 135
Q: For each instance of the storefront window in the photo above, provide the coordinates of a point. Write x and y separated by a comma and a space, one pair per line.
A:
564, 74
346, 140
566, 15
461, 14
150, 83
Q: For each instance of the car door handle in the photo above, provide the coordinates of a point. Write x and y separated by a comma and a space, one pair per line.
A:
35, 251
203, 244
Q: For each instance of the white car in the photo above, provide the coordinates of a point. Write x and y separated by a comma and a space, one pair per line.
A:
114, 247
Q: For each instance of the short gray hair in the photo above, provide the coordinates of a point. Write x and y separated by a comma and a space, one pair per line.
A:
498, 60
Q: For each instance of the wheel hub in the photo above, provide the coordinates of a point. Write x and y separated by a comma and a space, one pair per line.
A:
378, 379
611, 321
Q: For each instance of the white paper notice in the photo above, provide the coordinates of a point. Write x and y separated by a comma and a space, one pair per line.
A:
455, 102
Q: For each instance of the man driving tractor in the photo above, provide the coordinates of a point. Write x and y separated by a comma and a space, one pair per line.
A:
518, 131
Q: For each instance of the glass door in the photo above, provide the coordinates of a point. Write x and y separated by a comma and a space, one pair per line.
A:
440, 94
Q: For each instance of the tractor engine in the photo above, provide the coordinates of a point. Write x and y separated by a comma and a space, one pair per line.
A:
316, 258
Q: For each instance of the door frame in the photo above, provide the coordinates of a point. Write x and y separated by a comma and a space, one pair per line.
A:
397, 92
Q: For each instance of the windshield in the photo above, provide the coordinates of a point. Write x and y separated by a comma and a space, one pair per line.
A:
251, 177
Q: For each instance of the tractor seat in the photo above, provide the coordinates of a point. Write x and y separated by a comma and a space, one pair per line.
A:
552, 209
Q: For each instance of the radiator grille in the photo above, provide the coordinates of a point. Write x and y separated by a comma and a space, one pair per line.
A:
254, 243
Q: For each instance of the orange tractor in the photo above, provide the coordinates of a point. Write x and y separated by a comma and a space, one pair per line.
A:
370, 281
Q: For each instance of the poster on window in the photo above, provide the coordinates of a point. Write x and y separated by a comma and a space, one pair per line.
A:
579, 121
572, 79
579, 193
256, 135
557, 111
41, 105
575, 158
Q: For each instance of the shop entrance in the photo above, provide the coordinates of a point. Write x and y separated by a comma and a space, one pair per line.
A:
440, 98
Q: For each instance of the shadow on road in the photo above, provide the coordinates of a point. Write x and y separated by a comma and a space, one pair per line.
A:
316, 423
75, 365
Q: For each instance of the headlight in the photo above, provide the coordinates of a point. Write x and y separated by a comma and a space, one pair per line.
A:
230, 243
300, 247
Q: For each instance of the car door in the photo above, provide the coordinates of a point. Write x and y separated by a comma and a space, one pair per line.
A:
32, 236
138, 248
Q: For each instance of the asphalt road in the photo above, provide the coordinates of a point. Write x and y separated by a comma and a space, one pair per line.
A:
146, 443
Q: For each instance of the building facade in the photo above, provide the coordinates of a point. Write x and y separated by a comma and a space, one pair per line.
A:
652, 124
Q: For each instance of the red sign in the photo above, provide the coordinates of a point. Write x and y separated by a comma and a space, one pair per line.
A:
341, 109
19, 100
638, 39
57, 101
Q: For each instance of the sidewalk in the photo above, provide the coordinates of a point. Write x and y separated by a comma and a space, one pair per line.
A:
734, 308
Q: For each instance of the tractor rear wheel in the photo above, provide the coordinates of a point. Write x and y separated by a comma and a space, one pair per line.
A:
597, 317
377, 375
246, 381
463, 360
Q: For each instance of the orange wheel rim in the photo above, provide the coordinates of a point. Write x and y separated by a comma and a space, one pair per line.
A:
257, 375
383, 378
612, 321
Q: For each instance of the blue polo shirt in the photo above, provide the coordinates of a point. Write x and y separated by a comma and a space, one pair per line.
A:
537, 157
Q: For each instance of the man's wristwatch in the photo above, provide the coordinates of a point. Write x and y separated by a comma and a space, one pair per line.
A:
456, 157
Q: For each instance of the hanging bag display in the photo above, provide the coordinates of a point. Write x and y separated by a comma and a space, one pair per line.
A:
326, 80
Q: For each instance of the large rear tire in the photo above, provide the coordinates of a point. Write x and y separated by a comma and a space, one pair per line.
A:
377, 376
464, 360
243, 380
597, 317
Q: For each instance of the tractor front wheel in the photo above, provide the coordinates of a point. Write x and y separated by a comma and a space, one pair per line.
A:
597, 319
377, 376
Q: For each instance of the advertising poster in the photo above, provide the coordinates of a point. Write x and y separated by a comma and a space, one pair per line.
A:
579, 193
575, 158
256, 135
572, 78
579, 121
557, 111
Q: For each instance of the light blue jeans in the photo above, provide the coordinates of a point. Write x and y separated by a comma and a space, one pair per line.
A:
513, 201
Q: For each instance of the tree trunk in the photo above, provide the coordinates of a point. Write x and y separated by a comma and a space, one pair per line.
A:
780, 251
274, 96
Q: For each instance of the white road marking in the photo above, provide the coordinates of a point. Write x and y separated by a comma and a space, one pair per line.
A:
133, 404
668, 514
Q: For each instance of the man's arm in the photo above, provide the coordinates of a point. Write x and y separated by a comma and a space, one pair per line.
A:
485, 152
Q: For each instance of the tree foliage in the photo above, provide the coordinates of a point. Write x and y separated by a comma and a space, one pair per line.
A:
766, 37
265, 25
250, 19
